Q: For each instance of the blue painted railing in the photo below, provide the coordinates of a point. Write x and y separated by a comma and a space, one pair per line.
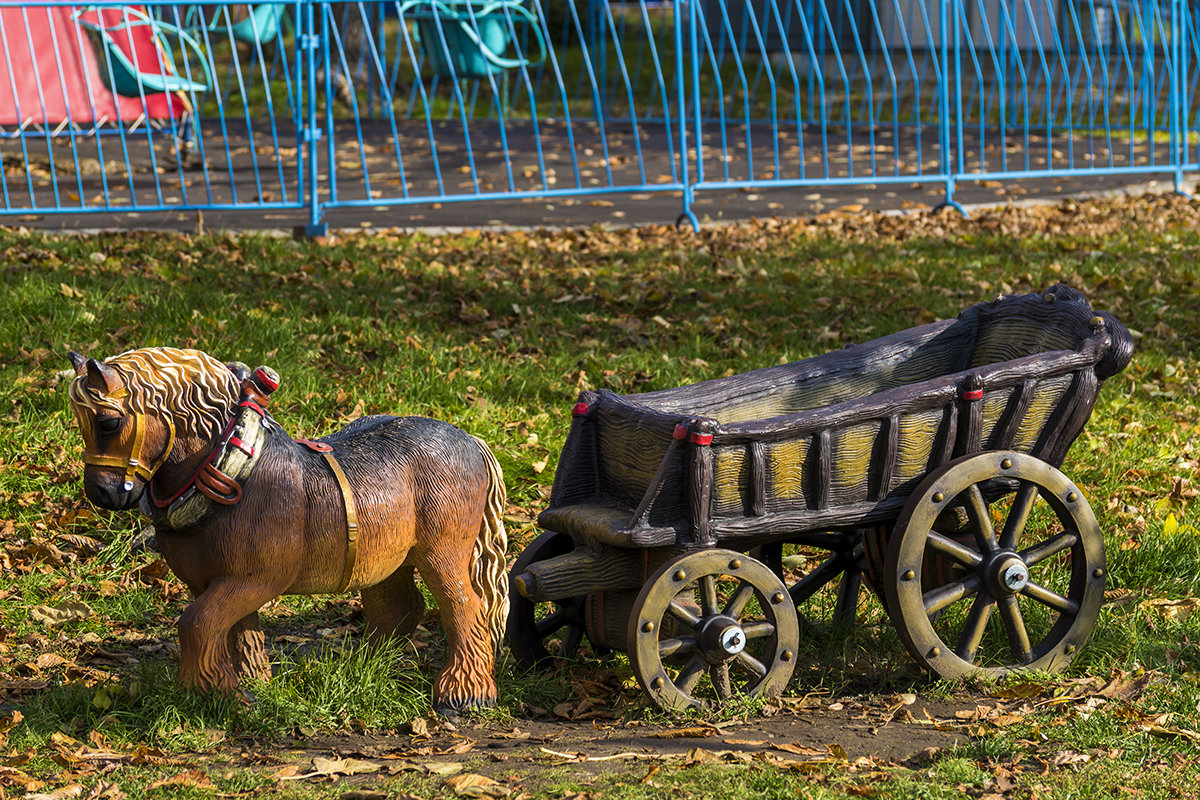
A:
306, 106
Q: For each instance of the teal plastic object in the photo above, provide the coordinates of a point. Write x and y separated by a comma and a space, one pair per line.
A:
265, 23
468, 39
123, 77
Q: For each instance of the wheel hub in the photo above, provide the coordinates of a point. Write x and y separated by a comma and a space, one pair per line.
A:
721, 638
1006, 573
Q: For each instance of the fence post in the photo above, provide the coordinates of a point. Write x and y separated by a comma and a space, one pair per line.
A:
681, 86
310, 134
1178, 91
950, 154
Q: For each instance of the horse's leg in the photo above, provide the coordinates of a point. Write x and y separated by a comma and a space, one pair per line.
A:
204, 628
466, 679
394, 606
248, 648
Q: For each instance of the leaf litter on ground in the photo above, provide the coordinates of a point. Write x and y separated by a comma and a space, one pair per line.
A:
611, 301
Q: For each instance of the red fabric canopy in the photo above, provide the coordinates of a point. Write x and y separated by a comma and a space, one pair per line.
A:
50, 71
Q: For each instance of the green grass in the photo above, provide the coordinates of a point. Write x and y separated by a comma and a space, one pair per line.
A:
497, 334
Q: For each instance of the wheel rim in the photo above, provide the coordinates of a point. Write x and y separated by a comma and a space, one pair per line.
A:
709, 626
539, 633
1023, 591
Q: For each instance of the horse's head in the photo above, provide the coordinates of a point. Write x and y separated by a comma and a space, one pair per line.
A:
128, 409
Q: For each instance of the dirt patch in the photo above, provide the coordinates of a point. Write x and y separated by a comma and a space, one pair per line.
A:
896, 728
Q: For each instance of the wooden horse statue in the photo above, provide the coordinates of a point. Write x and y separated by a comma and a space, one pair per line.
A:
243, 513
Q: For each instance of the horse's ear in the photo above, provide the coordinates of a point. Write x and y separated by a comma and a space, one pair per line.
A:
79, 362
102, 377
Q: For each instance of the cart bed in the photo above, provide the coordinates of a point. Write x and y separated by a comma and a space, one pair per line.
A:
833, 442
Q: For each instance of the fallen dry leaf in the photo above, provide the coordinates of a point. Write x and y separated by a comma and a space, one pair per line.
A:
802, 750
698, 755
53, 616
515, 734
1175, 610
66, 792
1165, 732
1067, 757
7, 723
193, 777
343, 766
695, 732
106, 791
471, 785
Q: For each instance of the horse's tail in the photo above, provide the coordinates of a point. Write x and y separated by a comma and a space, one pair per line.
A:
489, 574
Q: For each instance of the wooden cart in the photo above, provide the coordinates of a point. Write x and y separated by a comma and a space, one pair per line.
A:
926, 461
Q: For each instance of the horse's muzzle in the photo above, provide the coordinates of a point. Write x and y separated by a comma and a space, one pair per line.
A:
110, 492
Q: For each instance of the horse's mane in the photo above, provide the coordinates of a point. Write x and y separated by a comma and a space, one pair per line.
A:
198, 391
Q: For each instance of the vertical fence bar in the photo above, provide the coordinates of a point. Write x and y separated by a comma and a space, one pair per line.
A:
1178, 137
1185, 39
308, 43
681, 98
947, 159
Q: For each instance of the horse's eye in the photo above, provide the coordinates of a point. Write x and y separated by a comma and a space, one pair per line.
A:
109, 425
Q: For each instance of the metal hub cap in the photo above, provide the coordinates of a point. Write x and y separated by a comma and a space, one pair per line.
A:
733, 640
721, 639
1008, 573
1015, 577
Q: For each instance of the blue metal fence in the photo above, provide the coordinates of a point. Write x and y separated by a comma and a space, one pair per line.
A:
307, 106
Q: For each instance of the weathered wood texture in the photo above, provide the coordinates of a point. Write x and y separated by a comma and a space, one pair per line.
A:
837, 440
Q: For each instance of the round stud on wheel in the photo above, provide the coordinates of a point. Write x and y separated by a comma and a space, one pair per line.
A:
709, 625
1021, 583
538, 633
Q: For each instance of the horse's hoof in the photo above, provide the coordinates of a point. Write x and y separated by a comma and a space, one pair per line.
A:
447, 711
471, 706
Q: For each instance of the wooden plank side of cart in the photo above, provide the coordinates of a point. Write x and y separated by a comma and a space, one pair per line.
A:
831, 467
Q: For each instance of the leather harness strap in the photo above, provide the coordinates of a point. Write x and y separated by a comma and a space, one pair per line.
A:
351, 511
351, 521
133, 463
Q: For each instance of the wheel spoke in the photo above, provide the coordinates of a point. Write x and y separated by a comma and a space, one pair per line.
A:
973, 630
684, 645
751, 663
737, 603
570, 642
1052, 599
556, 621
813, 582
977, 510
960, 554
682, 613
758, 630
937, 599
1052, 546
708, 595
1014, 626
719, 673
689, 676
1018, 515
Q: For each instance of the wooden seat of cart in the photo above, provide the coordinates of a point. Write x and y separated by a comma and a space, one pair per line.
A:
886, 454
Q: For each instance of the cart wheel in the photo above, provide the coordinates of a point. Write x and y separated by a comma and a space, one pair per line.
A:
838, 608
935, 570
710, 624
874, 546
1036, 559
534, 629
